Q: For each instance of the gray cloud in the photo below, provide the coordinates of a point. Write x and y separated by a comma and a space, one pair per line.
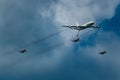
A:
67, 12
25, 21
21, 24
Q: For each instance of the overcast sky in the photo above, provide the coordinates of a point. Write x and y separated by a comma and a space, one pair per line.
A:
36, 26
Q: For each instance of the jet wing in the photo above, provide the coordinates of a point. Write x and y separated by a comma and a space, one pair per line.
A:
73, 26
81, 26
70, 26
65, 26
78, 26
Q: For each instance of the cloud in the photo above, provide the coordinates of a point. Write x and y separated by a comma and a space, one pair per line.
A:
109, 62
20, 25
25, 21
68, 11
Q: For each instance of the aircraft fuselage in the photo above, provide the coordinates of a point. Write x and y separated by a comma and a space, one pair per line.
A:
84, 26
87, 25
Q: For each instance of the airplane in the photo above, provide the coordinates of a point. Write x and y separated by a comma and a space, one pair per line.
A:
78, 27
82, 27
23, 51
76, 39
102, 52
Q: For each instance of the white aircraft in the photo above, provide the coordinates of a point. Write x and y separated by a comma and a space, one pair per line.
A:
82, 27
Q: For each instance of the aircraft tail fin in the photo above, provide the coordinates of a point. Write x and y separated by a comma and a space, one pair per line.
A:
77, 24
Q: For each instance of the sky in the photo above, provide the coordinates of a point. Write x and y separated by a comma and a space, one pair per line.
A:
51, 55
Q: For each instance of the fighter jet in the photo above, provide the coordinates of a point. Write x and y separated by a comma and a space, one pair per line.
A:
102, 52
76, 39
82, 27
23, 51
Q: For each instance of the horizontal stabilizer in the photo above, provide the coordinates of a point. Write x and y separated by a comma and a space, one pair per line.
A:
97, 27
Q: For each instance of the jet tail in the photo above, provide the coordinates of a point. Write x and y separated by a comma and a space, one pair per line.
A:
77, 24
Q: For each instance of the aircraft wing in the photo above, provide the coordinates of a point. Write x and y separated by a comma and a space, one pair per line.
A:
65, 26
78, 26
73, 26
69, 26
81, 26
